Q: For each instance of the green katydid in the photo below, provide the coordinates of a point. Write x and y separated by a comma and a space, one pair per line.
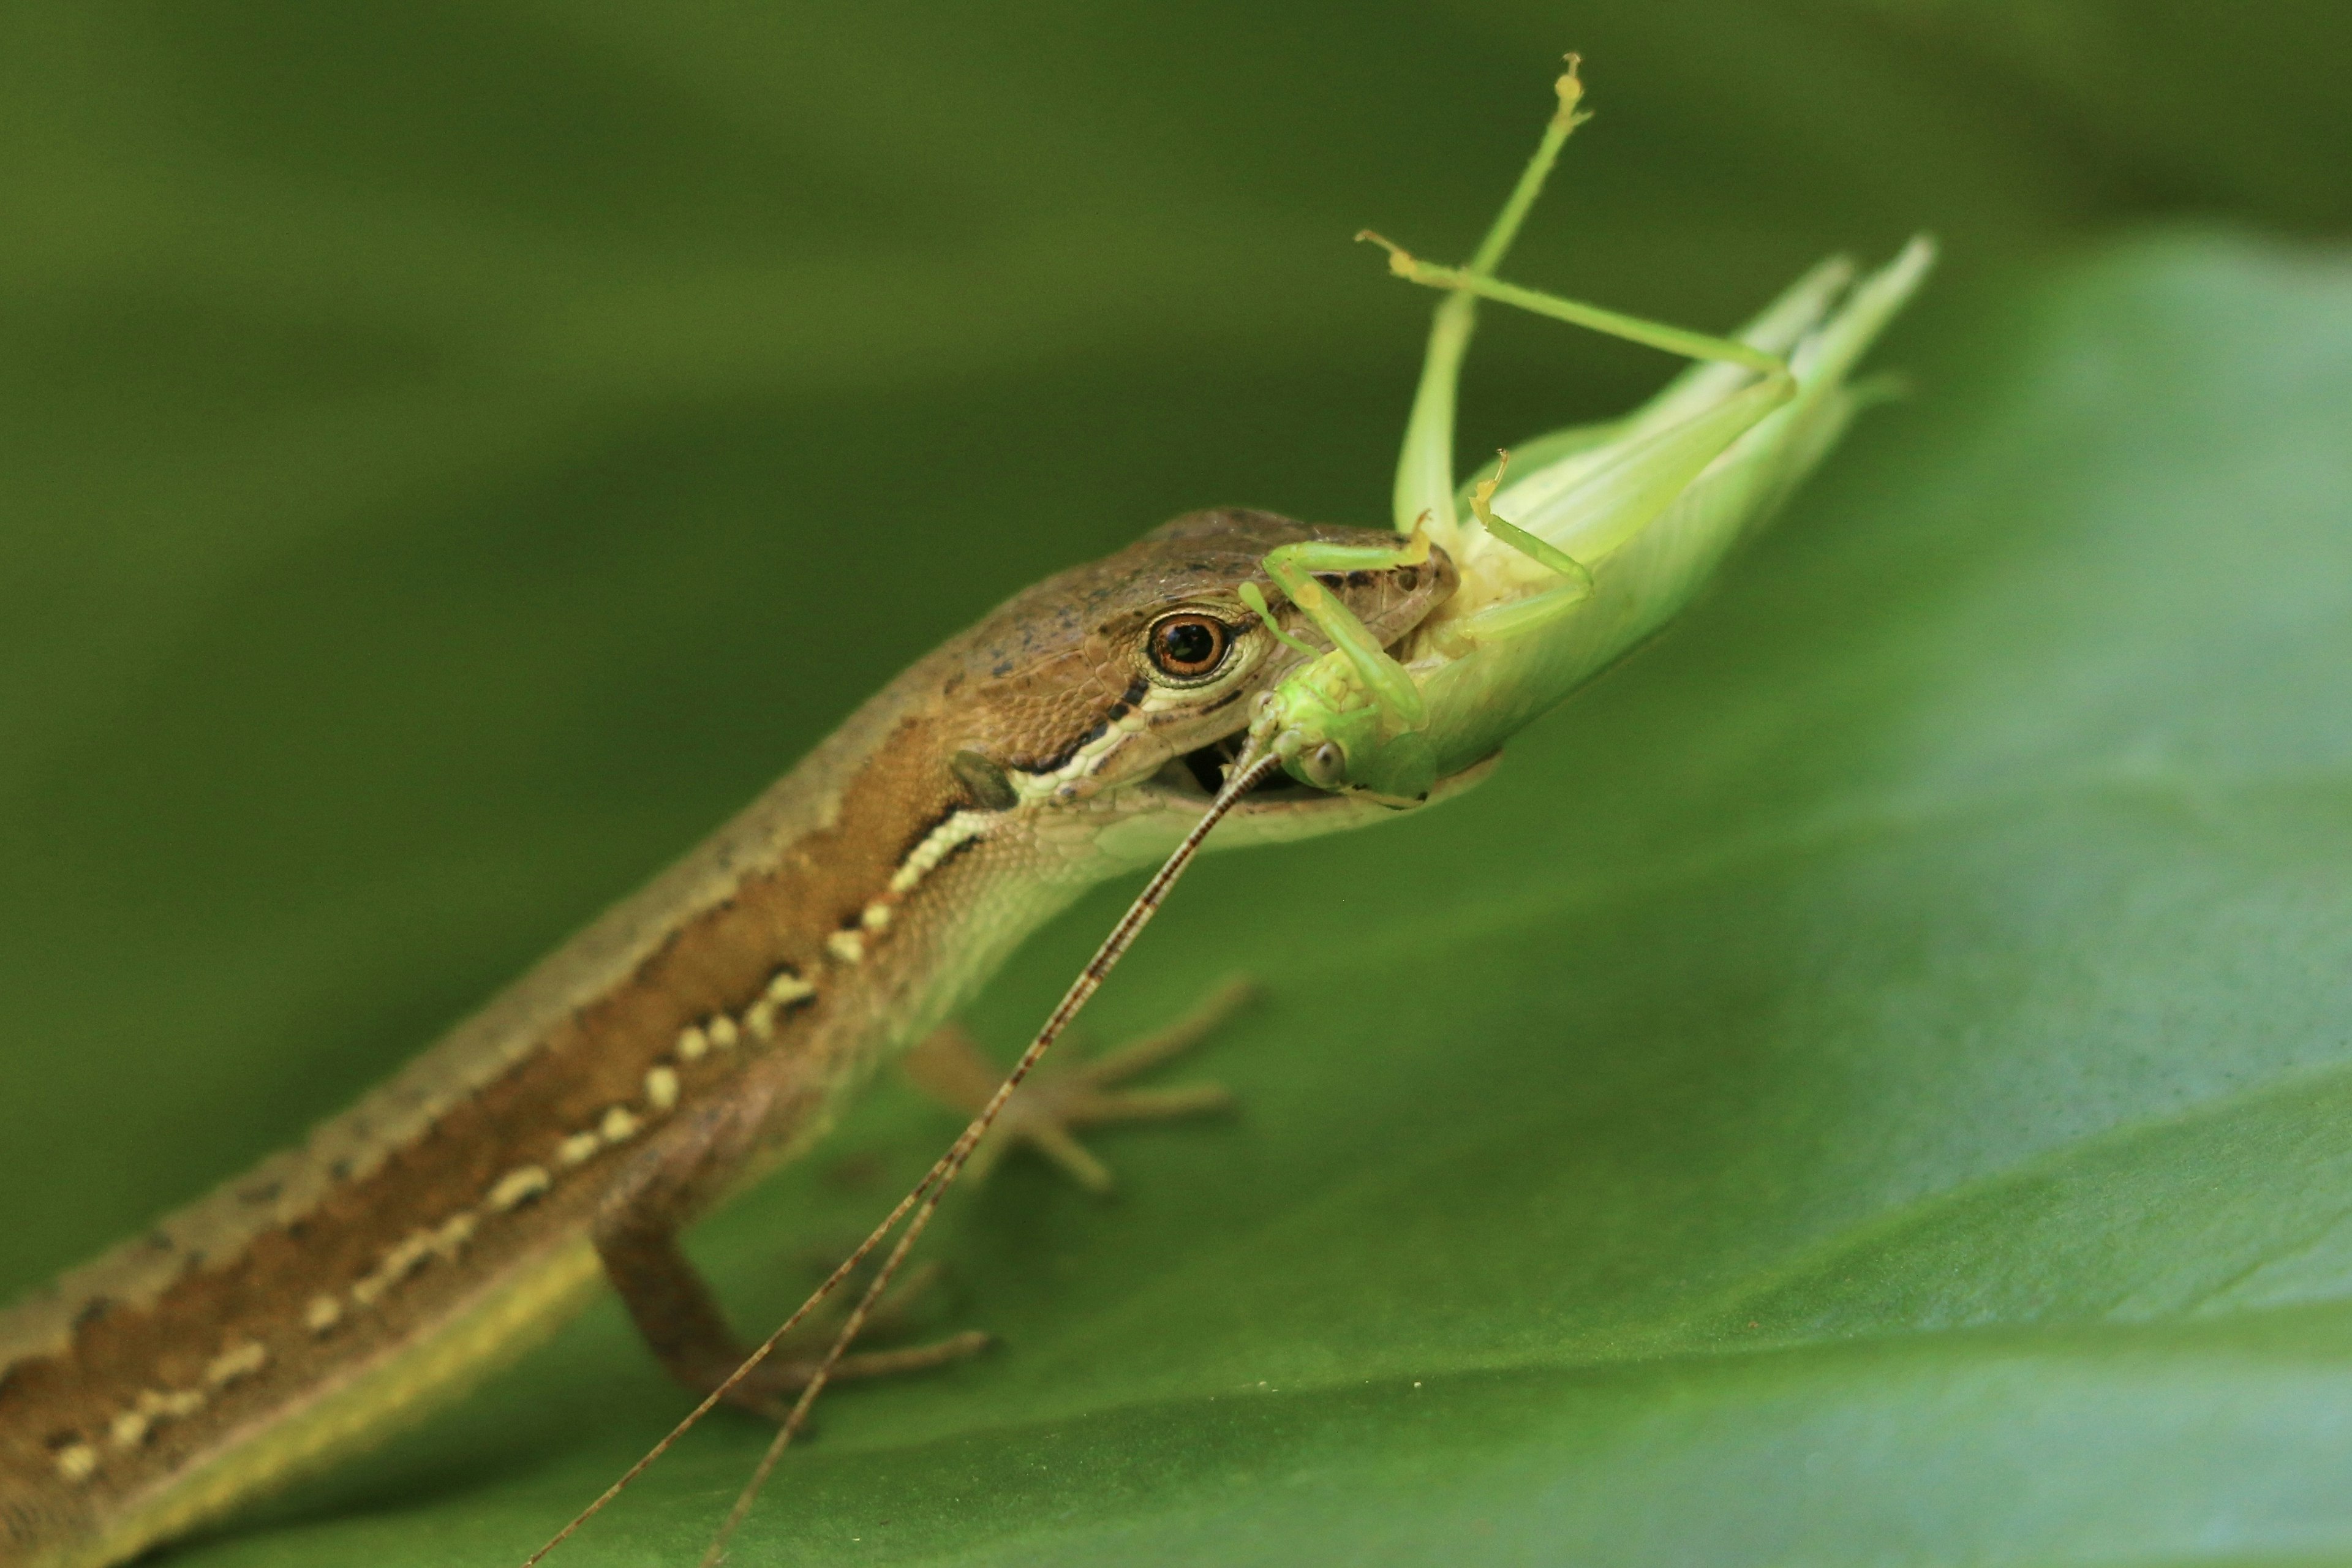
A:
1645, 507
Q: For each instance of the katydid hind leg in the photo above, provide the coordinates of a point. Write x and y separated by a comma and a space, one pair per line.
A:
1425, 471
1612, 323
1423, 488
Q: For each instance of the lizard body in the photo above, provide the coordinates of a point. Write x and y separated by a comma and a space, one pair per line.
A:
697, 1033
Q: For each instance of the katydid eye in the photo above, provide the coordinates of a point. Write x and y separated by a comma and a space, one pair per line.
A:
1189, 645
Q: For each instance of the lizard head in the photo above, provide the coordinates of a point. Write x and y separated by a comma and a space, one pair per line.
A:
1126, 684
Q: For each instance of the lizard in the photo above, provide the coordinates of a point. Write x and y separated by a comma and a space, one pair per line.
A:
692, 1038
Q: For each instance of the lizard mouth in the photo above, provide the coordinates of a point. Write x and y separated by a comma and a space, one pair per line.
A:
1196, 776
1279, 810
1202, 772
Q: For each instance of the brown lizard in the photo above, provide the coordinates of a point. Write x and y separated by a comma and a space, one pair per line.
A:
695, 1036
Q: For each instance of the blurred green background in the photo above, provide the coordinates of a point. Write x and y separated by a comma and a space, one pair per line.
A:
1870, 1081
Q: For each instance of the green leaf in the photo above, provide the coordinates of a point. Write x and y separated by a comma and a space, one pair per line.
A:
1867, 1081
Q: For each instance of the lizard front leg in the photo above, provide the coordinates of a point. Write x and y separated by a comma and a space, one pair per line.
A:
637, 1236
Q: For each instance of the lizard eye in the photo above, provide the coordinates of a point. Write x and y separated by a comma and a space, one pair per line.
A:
1189, 645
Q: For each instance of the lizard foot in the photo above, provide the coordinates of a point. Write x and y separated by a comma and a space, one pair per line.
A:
1046, 1110
788, 1368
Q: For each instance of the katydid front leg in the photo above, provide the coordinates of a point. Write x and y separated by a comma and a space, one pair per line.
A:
1366, 712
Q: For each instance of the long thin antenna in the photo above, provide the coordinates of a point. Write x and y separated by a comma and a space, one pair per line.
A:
1114, 947
1248, 772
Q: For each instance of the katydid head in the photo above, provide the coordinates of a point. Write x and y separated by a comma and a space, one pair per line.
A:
1334, 728
1145, 663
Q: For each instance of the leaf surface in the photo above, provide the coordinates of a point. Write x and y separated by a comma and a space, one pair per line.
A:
1867, 1081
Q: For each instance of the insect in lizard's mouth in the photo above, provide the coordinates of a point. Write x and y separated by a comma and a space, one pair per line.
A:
1202, 770
1198, 774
